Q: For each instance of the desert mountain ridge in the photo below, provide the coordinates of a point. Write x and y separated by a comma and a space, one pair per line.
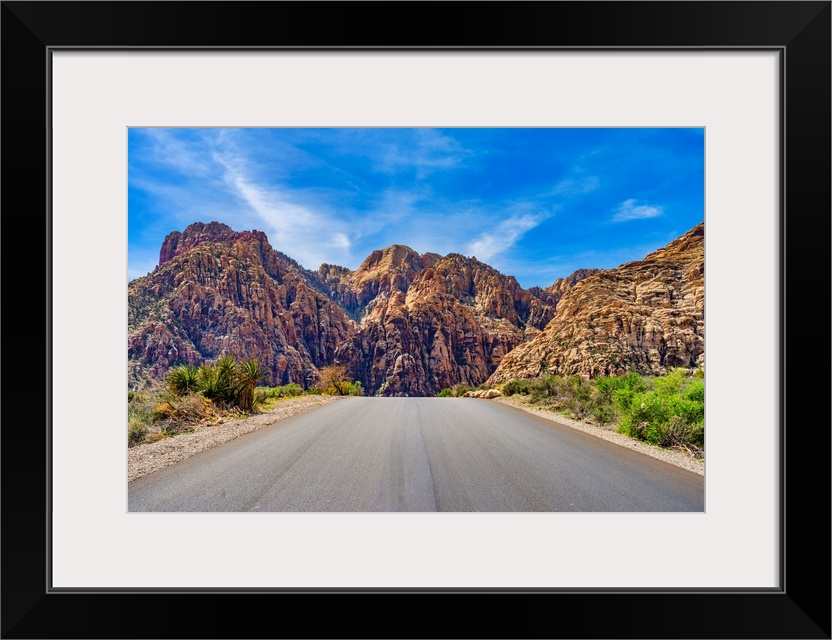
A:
404, 323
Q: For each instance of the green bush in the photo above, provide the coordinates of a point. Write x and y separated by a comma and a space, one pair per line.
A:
246, 376
262, 395
288, 391
695, 391
227, 382
602, 413
666, 410
445, 393
461, 389
182, 380
515, 386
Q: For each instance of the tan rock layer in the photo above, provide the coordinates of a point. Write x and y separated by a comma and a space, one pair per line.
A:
645, 316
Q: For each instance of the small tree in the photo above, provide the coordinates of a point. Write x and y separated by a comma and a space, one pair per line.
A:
331, 378
334, 381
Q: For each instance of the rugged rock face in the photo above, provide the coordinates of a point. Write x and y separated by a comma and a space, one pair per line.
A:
451, 325
645, 316
219, 291
384, 271
405, 323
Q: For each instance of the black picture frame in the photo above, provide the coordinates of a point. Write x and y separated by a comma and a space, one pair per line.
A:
799, 31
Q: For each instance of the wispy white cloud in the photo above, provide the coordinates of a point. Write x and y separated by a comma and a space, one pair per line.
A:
425, 150
504, 235
630, 210
576, 186
310, 234
166, 148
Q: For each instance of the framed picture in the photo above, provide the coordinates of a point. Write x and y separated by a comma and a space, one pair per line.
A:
77, 76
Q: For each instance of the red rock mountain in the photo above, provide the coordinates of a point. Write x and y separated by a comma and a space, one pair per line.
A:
645, 316
449, 323
216, 291
404, 323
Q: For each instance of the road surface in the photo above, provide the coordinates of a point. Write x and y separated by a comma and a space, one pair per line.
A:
418, 454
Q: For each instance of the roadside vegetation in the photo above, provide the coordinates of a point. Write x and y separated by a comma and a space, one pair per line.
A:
668, 411
228, 387
459, 390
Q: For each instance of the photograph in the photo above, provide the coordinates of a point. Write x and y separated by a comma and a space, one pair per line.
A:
415, 305
414, 319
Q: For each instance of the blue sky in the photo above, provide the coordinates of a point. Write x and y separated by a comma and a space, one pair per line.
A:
533, 203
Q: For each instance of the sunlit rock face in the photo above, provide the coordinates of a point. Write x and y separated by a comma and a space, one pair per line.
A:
645, 316
406, 323
218, 291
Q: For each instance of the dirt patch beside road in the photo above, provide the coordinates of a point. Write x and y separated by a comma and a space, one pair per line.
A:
147, 458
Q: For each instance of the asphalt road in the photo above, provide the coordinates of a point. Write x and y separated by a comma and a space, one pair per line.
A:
418, 454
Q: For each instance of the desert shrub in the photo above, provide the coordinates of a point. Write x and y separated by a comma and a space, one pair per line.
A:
288, 391
671, 383
262, 395
182, 380
484, 387
515, 386
334, 381
223, 387
670, 412
246, 376
683, 435
603, 413
666, 410
695, 391
192, 408
136, 431
446, 393
229, 382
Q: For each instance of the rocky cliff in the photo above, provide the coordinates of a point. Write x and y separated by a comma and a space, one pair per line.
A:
219, 291
404, 323
407, 323
645, 316
448, 323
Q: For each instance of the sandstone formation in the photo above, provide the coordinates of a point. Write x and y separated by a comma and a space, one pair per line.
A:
406, 323
449, 323
219, 291
645, 316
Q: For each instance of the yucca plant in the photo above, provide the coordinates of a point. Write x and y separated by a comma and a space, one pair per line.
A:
207, 380
225, 380
182, 380
249, 373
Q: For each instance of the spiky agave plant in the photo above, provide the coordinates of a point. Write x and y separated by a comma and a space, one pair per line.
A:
249, 373
226, 379
182, 380
207, 380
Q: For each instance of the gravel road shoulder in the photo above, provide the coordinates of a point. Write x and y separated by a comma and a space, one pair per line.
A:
147, 458
673, 457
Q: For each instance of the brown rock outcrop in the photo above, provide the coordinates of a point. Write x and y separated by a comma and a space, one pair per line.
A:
426, 322
451, 325
645, 316
219, 291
